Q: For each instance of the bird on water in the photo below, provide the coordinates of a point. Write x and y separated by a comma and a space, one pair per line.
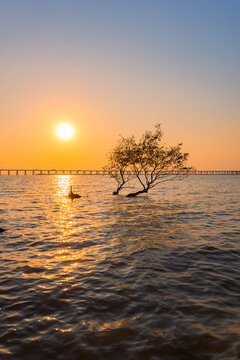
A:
72, 196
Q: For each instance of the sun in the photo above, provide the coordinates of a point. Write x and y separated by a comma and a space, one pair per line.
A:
65, 131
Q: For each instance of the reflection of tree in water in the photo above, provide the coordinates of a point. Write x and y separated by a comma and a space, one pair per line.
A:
145, 223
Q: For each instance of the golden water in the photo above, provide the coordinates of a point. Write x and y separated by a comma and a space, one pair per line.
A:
110, 277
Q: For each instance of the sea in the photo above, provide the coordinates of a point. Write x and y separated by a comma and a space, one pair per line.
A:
155, 277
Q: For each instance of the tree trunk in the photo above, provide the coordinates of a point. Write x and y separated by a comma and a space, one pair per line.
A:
116, 192
118, 189
137, 193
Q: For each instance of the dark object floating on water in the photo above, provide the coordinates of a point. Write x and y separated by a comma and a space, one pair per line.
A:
72, 196
2, 230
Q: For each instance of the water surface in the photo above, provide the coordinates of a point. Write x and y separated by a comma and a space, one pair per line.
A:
104, 277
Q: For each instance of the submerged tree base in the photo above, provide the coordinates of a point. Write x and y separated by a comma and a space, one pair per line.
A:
137, 193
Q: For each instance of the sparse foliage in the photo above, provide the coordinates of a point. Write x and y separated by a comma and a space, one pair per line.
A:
147, 160
118, 164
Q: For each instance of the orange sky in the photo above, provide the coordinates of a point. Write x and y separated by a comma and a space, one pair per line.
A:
118, 70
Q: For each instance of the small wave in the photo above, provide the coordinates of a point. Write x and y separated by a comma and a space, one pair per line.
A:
30, 269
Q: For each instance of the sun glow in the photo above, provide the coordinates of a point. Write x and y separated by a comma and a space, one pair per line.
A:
65, 131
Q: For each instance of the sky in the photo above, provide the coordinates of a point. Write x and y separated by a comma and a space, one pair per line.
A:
118, 67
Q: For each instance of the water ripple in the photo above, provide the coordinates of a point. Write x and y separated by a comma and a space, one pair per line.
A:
108, 277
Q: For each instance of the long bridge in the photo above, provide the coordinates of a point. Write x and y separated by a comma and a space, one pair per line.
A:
103, 172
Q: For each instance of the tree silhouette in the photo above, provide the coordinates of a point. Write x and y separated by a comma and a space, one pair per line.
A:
147, 160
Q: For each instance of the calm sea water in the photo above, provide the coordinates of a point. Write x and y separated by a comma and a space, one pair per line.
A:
104, 277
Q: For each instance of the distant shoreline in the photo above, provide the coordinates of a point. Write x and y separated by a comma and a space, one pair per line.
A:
104, 172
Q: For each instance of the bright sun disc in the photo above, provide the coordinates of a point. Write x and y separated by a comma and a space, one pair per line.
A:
65, 131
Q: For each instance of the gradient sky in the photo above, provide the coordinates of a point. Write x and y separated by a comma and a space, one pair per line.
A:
118, 67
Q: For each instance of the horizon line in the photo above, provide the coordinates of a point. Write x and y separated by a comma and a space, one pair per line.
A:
15, 171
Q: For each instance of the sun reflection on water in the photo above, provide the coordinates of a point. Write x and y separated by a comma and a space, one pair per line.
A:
70, 221
64, 217
63, 183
